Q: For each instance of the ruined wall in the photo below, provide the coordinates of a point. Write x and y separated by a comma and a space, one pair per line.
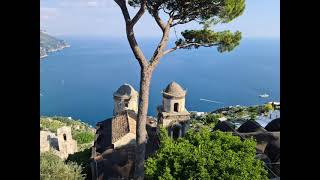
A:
67, 145
44, 141
61, 143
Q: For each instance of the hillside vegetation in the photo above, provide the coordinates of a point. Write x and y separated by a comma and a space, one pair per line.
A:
77, 165
81, 132
54, 168
49, 44
203, 154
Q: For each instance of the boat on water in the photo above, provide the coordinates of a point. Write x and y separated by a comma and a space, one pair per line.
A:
264, 95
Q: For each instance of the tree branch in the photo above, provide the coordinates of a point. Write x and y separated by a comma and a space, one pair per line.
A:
125, 12
140, 12
159, 21
130, 34
187, 45
162, 45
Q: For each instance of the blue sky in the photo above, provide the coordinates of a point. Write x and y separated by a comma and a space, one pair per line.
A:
261, 19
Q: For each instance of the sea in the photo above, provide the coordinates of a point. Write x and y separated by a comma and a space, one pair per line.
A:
79, 81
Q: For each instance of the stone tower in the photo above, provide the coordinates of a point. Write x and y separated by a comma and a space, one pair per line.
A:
67, 145
125, 98
172, 114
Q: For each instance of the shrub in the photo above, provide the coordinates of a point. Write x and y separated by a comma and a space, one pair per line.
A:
83, 137
268, 107
54, 168
210, 119
51, 125
82, 158
205, 155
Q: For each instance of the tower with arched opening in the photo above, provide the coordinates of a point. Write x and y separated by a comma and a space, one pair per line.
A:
172, 114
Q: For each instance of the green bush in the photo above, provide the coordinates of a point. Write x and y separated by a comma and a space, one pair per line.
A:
210, 119
83, 137
253, 109
82, 158
51, 125
268, 107
205, 155
253, 116
54, 168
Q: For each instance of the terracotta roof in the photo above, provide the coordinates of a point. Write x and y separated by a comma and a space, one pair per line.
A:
175, 90
125, 90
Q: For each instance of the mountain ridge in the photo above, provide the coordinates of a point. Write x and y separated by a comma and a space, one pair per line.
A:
50, 44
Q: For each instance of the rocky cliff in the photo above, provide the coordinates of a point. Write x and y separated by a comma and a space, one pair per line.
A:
50, 44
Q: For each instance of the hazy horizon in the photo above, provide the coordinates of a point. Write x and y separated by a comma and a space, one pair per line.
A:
103, 18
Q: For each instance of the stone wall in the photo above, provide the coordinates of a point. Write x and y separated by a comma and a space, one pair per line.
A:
120, 103
132, 125
133, 103
67, 145
168, 104
61, 144
44, 141
128, 139
169, 120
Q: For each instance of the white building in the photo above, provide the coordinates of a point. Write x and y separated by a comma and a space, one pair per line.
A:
263, 120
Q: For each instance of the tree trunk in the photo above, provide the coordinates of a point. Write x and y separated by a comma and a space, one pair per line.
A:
141, 135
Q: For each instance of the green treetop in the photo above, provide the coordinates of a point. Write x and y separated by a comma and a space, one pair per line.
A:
205, 155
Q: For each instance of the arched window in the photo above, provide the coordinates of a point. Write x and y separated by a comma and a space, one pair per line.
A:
65, 137
176, 107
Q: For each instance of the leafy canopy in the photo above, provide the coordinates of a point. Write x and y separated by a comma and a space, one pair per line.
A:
205, 155
205, 12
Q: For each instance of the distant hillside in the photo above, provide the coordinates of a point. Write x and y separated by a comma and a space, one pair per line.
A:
50, 44
83, 133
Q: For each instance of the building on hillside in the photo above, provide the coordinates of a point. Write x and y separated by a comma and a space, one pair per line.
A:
60, 143
275, 105
113, 152
172, 114
267, 141
264, 119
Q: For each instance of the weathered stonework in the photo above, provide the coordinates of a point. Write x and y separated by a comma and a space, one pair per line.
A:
114, 146
44, 141
61, 143
125, 98
172, 114
67, 145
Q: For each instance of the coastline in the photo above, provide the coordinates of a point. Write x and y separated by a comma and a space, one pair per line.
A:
55, 50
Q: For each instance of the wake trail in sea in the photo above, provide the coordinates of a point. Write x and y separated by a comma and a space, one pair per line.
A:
208, 100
